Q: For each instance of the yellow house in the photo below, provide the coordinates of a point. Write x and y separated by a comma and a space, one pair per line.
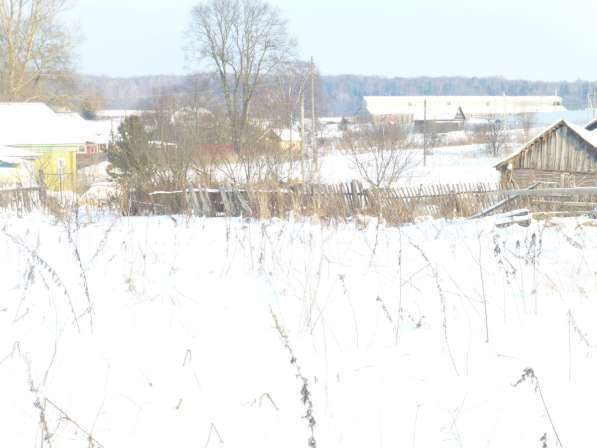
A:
57, 164
38, 129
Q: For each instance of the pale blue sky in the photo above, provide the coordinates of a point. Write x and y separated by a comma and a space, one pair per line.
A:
533, 39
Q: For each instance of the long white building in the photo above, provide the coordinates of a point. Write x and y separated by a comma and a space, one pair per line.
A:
407, 109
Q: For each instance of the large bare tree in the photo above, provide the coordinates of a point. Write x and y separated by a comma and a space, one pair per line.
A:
242, 41
35, 47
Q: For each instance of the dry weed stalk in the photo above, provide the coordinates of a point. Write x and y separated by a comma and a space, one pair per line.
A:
443, 303
45, 267
82, 273
385, 310
213, 429
305, 393
529, 375
43, 404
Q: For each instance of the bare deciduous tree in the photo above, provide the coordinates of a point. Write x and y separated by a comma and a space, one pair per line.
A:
527, 123
377, 152
36, 47
278, 98
495, 135
243, 41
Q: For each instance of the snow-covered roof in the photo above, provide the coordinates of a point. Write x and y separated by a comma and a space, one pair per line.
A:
119, 113
446, 107
7, 151
287, 135
331, 120
91, 131
35, 124
16, 156
588, 136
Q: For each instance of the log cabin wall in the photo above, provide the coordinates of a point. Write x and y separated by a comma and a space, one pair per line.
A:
524, 178
559, 156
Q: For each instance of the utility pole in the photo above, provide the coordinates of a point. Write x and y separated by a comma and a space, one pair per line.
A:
291, 117
313, 125
425, 132
302, 100
591, 98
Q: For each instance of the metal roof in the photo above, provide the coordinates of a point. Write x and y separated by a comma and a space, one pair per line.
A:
446, 107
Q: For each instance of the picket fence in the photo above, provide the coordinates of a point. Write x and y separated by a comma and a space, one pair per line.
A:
339, 200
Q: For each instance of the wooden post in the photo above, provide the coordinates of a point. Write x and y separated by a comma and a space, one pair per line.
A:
425, 132
303, 134
42, 188
313, 125
194, 202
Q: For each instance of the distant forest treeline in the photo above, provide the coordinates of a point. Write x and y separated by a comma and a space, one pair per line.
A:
343, 94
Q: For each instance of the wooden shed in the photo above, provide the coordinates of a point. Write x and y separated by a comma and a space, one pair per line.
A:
564, 154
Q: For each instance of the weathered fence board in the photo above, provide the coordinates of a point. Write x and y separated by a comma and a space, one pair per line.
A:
403, 204
21, 200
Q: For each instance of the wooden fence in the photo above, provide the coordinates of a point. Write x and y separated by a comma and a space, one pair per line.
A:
333, 201
341, 201
22, 200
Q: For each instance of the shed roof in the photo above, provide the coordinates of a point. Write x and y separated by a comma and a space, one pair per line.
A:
35, 124
586, 135
16, 155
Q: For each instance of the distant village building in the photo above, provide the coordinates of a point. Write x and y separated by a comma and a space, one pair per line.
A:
37, 129
448, 113
97, 134
285, 139
116, 117
564, 154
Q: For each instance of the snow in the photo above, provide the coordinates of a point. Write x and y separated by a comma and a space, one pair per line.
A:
445, 165
100, 193
90, 131
16, 155
387, 324
96, 172
19, 119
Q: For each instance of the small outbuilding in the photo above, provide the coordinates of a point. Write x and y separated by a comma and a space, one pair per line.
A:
564, 154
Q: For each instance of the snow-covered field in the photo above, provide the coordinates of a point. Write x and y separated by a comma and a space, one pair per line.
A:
389, 327
445, 165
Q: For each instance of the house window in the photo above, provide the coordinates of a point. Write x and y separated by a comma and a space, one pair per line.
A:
82, 149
